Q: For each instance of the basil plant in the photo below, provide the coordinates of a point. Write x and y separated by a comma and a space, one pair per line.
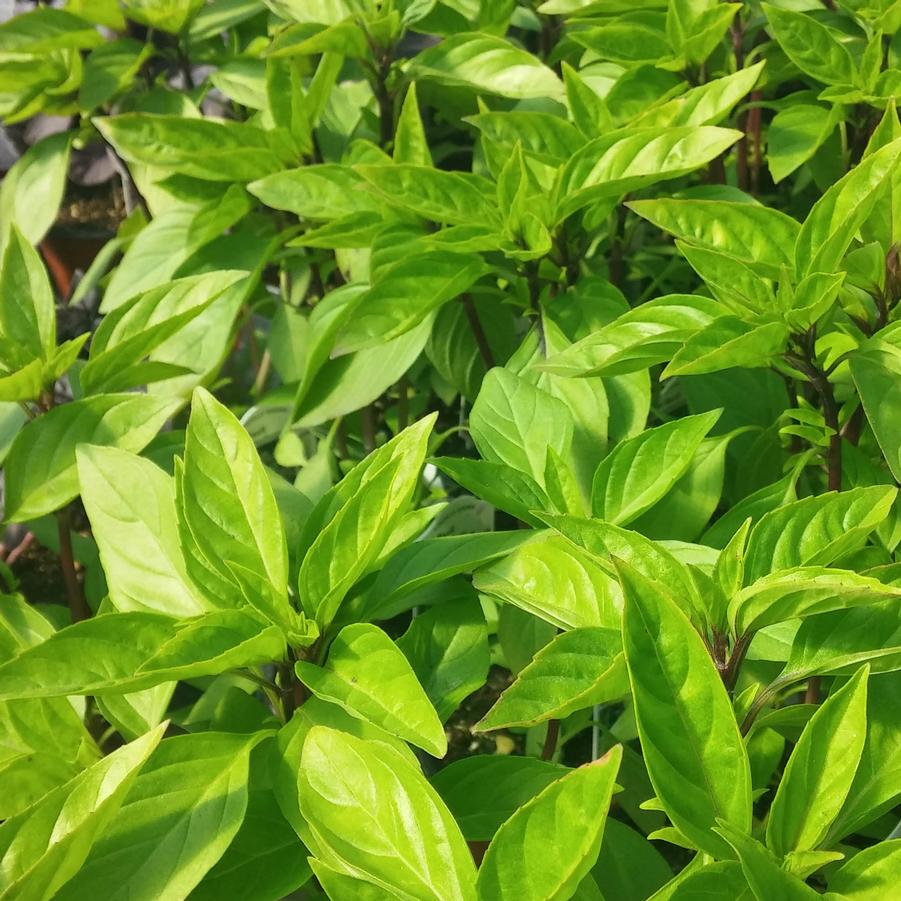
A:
450, 450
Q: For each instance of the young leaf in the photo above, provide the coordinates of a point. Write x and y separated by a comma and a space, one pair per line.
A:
833, 222
161, 844
41, 474
227, 510
574, 671
548, 846
354, 535
43, 847
378, 817
130, 503
410, 142
689, 737
640, 471
762, 871
820, 771
384, 691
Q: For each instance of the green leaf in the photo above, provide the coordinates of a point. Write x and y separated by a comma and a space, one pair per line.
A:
33, 188
759, 237
27, 310
813, 47
820, 771
795, 135
876, 786
169, 15
131, 333
689, 738
640, 471
351, 382
227, 510
833, 222
649, 334
130, 503
180, 815
870, 875
291, 737
136, 713
160, 248
447, 646
875, 368
815, 531
454, 198
384, 690
552, 579
802, 591
606, 542
707, 104
574, 671
728, 343
410, 141
43, 847
432, 560
549, 845
40, 469
265, 859
629, 867
513, 422
405, 294
376, 816
611, 166
687, 507
209, 149
834, 642
44, 30
762, 871
542, 136
482, 792
109, 70
634, 37
325, 191
353, 535
487, 64
123, 652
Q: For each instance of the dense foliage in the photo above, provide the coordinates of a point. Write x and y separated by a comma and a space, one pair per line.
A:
470, 466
